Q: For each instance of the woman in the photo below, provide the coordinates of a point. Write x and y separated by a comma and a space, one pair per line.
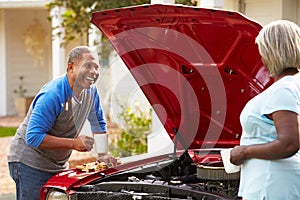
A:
269, 151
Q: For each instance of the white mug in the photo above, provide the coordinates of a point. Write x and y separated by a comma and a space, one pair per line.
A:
229, 167
101, 143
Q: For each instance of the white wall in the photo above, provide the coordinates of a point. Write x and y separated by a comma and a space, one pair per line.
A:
290, 10
18, 61
231, 5
265, 11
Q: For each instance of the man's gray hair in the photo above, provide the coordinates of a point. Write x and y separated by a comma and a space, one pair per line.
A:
75, 54
279, 46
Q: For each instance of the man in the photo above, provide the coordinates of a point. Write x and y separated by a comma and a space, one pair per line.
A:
45, 139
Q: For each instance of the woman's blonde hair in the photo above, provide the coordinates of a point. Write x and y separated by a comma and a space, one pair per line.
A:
279, 46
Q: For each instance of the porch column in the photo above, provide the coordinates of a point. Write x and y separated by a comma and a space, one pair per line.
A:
58, 52
3, 68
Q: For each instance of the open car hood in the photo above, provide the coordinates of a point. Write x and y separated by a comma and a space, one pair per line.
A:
197, 67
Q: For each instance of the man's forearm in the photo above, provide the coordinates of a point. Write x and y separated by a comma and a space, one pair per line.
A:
56, 143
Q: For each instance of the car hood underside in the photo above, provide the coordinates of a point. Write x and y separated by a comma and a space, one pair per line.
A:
197, 67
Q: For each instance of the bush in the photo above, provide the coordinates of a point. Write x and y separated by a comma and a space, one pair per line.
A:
132, 138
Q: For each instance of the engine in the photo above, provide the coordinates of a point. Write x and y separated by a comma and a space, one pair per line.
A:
178, 178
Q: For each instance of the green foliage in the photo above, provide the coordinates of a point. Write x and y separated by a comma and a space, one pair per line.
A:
76, 18
7, 131
133, 137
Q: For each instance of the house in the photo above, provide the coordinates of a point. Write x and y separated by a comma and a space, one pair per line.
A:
27, 48
20, 22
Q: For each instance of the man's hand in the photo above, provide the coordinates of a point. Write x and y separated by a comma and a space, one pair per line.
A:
83, 143
108, 159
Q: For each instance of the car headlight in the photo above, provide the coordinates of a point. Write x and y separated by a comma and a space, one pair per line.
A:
55, 194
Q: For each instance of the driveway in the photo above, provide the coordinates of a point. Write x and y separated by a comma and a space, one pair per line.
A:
8, 185
9, 196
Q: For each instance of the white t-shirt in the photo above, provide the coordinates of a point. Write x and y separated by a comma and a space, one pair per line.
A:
266, 179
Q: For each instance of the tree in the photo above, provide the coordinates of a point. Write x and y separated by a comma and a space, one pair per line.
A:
76, 18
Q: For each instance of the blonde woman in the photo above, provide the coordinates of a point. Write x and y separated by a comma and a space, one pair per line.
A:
269, 151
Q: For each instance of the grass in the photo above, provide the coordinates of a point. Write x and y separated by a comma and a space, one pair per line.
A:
7, 131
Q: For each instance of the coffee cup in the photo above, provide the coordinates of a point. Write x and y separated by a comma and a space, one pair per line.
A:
229, 167
101, 143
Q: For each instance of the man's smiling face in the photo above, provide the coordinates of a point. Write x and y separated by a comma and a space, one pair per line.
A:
87, 71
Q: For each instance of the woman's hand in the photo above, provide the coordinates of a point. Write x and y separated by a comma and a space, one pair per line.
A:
238, 155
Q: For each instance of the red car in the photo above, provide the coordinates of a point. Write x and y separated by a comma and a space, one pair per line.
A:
200, 66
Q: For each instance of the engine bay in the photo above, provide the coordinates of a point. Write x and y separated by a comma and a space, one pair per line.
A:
177, 178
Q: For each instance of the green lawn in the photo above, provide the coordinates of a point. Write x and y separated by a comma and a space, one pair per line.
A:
7, 131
